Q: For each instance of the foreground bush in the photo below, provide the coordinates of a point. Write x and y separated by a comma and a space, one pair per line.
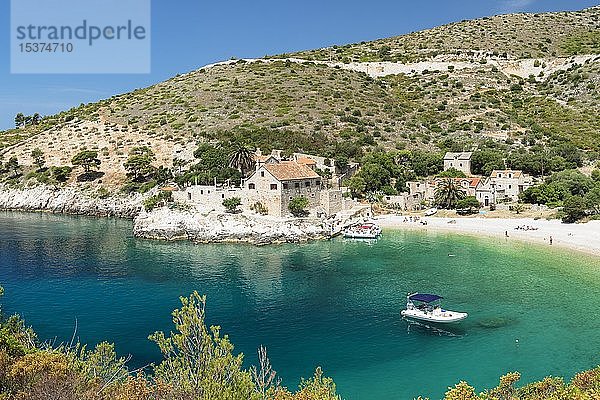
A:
199, 364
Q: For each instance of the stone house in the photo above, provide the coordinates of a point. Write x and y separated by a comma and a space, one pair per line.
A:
327, 164
425, 190
207, 196
503, 186
274, 185
459, 161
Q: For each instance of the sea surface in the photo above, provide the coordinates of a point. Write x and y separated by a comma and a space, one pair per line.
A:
334, 304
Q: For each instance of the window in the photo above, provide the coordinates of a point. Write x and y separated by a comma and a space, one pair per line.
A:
307, 183
273, 186
285, 185
461, 164
189, 196
291, 198
312, 195
251, 186
223, 195
510, 175
510, 186
202, 192
262, 174
297, 185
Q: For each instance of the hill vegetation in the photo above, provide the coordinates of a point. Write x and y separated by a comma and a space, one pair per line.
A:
561, 34
501, 90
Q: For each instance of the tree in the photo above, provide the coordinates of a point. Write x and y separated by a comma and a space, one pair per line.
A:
469, 202
426, 163
241, 158
88, 159
452, 173
38, 158
448, 193
231, 205
13, 167
35, 119
60, 174
198, 361
518, 208
592, 199
179, 163
573, 181
297, 206
341, 163
19, 120
483, 162
574, 208
357, 185
139, 164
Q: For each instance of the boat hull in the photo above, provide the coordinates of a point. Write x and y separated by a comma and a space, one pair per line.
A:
447, 317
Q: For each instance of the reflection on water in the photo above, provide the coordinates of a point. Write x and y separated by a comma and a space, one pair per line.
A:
335, 304
417, 327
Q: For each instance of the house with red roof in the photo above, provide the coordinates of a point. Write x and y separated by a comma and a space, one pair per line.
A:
274, 185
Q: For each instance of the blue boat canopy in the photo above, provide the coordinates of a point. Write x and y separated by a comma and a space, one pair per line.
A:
424, 297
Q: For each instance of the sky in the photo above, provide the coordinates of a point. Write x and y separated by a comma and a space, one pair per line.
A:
187, 34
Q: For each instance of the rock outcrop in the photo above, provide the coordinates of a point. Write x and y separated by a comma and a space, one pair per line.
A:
201, 226
69, 200
216, 226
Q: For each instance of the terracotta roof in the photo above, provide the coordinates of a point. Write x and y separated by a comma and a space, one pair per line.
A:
473, 182
306, 161
289, 170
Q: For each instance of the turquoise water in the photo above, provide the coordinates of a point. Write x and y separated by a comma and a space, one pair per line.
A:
334, 304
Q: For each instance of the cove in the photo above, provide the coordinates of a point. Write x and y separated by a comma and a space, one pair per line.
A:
333, 303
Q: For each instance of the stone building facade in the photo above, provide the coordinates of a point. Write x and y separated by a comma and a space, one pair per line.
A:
459, 161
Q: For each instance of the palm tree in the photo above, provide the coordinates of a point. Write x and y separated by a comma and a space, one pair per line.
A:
242, 158
448, 193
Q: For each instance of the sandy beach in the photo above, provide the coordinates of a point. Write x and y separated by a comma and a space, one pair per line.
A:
582, 237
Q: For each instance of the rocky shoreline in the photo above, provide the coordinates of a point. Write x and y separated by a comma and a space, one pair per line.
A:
199, 226
211, 227
69, 201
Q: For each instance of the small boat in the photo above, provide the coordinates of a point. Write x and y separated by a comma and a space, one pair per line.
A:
431, 212
367, 230
427, 307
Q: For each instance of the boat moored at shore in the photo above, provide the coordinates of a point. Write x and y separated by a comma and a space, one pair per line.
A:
367, 230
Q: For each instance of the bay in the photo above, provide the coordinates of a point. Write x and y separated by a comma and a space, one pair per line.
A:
335, 303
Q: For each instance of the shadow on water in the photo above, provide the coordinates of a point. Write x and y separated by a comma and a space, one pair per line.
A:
416, 327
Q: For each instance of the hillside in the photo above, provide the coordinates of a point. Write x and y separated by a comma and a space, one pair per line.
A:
561, 34
517, 80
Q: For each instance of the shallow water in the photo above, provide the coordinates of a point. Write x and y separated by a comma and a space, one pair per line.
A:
334, 304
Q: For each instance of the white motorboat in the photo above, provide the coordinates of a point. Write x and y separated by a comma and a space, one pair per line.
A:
427, 307
367, 230
431, 212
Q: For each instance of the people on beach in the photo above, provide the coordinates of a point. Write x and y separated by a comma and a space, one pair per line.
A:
526, 228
